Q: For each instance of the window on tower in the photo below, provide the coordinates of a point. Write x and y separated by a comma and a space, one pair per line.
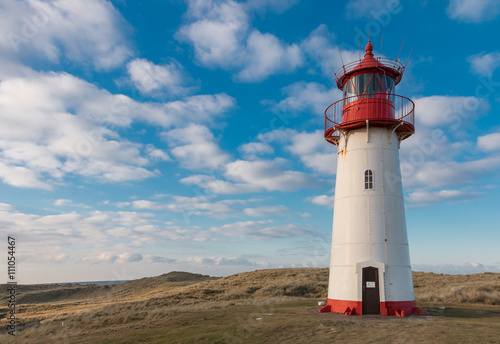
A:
368, 179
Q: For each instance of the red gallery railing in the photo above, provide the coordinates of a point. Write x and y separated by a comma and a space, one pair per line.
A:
379, 109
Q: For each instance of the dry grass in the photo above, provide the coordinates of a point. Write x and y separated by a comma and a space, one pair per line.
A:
457, 289
141, 306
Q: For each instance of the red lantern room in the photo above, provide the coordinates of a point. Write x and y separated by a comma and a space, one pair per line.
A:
369, 98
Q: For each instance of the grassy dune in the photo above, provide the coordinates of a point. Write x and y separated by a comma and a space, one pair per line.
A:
263, 306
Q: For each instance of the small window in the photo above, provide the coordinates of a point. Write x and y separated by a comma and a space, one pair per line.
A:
368, 179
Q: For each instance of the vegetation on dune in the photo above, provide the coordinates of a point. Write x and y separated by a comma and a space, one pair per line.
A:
84, 308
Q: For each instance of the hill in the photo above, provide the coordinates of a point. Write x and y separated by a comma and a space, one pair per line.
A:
180, 303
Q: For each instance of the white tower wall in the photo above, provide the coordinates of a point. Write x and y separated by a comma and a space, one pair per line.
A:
369, 226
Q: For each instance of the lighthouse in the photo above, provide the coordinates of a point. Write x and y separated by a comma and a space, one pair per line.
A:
370, 270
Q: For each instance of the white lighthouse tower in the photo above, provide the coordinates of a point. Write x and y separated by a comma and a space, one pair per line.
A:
370, 269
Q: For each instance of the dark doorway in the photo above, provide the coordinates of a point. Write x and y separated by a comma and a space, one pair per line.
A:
371, 294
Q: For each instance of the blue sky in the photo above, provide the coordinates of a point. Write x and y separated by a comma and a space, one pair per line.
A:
141, 137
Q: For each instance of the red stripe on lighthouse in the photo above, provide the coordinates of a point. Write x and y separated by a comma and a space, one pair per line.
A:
347, 307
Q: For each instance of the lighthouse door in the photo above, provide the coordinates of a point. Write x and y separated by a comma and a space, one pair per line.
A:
371, 295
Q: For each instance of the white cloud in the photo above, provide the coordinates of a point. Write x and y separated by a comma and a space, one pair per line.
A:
261, 230
217, 186
447, 173
35, 153
204, 206
449, 110
266, 211
217, 29
425, 197
6, 207
266, 55
114, 258
314, 151
197, 109
156, 154
21, 177
252, 176
473, 11
144, 204
157, 259
307, 97
484, 63
62, 202
85, 31
277, 135
252, 149
218, 261
195, 148
323, 200
153, 79
267, 175
220, 34
319, 47
490, 142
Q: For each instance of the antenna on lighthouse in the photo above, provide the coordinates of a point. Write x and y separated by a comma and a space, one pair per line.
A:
397, 59
408, 57
381, 42
359, 49
341, 59
331, 68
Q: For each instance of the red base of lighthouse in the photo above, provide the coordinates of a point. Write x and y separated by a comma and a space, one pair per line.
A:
398, 308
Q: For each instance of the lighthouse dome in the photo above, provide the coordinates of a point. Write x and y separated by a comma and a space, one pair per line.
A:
370, 64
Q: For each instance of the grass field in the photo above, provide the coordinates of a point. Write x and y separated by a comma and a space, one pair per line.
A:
264, 306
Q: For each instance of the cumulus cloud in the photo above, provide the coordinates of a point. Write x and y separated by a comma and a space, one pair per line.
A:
221, 37
6, 207
218, 261
148, 258
195, 147
218, 186
319, 48
425, 197
449, 110
447, 173
490, 142
266, 55
35, 153
88, 32
261, 230
92, 230
252, 149
114, 258
268, 175
268, 211
484, 63
473, 11
314, 151
307, 97
323, 200
156, 80
278, 135
197, 206
215, 31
